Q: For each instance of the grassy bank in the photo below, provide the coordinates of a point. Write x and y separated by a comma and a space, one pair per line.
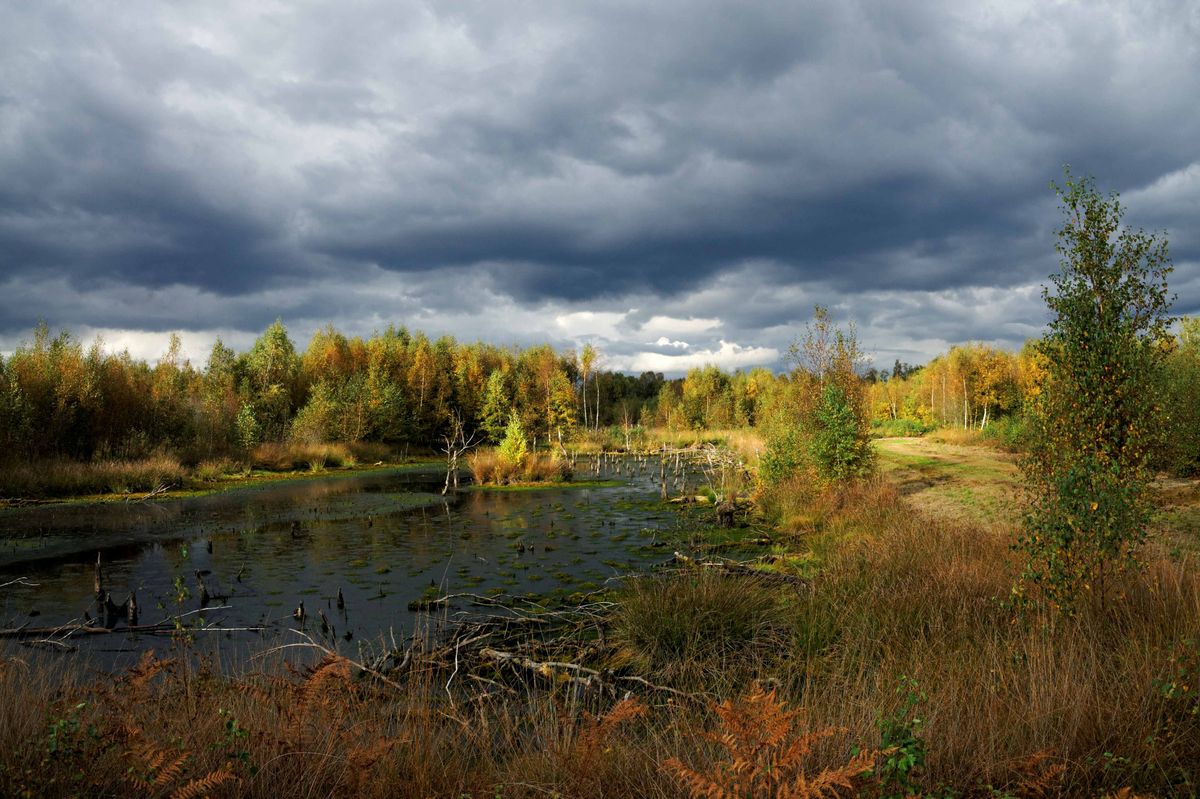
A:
121, 479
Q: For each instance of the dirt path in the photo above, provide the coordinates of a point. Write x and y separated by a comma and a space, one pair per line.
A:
976, 484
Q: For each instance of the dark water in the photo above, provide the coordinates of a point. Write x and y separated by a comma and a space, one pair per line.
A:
385, 539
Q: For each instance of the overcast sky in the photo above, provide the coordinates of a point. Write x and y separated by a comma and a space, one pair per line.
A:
678, 183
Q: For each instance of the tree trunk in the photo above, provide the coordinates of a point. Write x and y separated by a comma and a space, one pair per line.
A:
966, 419
944, 412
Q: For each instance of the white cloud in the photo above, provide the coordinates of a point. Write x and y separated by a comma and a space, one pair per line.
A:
663, 341
671, 324
728, 355
581, 324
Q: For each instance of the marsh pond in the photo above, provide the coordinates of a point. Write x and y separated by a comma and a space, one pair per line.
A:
233, 567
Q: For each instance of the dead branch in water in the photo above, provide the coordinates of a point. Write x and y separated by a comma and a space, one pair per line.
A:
167, 625
741, 570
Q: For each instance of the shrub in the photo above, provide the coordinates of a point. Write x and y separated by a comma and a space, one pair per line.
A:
1007, 432
1092, 426
783, 456
515, 446
840, 446
902, 427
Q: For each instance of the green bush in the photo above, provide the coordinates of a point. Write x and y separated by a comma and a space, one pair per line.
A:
840, 447
1093, 428
1007, 432
902, 427
783, 456
514, 447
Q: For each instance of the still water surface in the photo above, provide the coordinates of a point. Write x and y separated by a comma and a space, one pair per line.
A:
385, 539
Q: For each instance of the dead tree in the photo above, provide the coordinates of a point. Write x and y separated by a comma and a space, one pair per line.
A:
457, 444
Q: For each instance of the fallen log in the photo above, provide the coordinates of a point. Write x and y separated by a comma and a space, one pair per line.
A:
583, 676
741, 570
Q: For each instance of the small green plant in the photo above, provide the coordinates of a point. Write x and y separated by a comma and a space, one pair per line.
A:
1179, 685
182, 593
514, 447
64, 732
234, 739
1178, 689
784, 453
901, 742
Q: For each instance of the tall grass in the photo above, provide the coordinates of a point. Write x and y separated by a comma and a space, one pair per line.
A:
292, 456
67, 478
488, 467
316, 732
698, 626
901, 594
61, 478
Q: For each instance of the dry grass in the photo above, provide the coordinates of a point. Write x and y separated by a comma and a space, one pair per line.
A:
1017, 703
166, 727
488, 468
900, 593
214, 470
699, 628
294, 456
62, 478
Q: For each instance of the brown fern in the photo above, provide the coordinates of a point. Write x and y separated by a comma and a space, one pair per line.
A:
766, 757
1040, 776
138, 678
312, 694
598, 729
155, 769
203, 786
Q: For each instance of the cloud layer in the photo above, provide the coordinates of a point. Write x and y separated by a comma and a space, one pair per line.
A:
642, 176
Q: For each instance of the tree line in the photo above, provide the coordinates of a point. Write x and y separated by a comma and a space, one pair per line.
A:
59, 399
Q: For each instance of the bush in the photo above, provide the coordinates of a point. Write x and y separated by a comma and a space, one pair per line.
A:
1007, 432
783, 456
840, 447
902, 427
514, 446
1092, 428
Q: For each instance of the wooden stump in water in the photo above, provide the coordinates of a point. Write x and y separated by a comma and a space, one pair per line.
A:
203, 588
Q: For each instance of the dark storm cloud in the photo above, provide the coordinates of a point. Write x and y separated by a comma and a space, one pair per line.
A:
715, 159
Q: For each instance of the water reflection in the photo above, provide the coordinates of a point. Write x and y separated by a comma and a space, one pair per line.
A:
385, 541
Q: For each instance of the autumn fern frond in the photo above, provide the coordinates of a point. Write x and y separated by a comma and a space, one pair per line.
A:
203, 786
767, 757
